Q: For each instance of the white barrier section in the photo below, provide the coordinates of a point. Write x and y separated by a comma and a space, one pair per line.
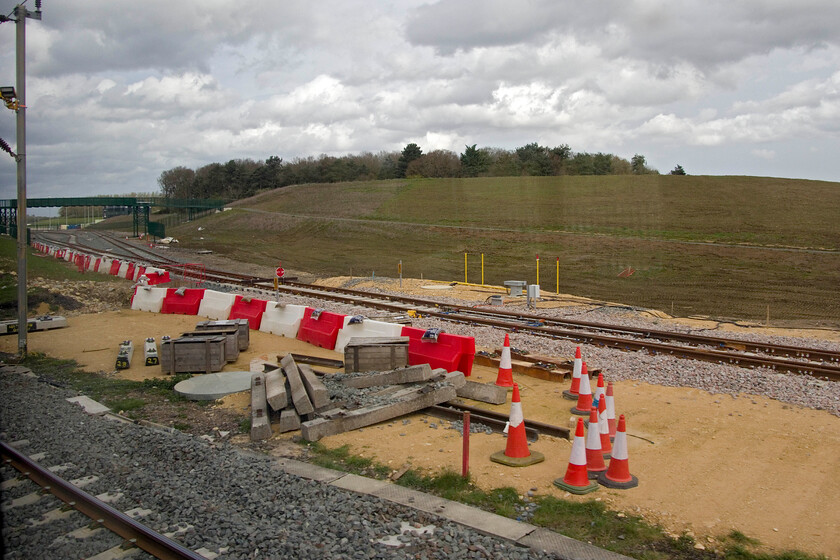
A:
283, 320
68, 255
366, 329
148, 299
104, 266
215, 305
92, 263
123, 269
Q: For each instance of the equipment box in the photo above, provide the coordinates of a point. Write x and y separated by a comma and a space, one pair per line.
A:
375, 354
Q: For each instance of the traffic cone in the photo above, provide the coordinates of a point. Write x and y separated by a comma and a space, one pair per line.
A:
604, 428
610, 410
584, 402
505, 377
618, 475
576, 480
594, 457
600, 390
572, 392
516, 453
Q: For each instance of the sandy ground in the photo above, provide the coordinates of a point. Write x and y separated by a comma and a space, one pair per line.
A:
706, 463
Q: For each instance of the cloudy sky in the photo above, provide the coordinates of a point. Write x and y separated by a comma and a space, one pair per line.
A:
118, 92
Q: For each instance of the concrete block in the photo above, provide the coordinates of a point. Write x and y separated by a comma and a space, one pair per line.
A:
289, 421
275, 389
410, 374
150, 352
299, 397
483, 392
125, 354
405, 401
455, 378
317, 391
260, 426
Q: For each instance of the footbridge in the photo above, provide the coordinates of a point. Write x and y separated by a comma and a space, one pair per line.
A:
139, 208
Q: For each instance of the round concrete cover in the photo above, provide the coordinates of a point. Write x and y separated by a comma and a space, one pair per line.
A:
212, 386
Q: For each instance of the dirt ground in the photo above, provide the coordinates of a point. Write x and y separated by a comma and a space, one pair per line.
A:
706, 463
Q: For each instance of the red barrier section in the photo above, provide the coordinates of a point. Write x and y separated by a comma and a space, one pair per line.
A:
451, 352
321, 331
115, 267
141, 270
186, 304
156, 278
129, 273
248, 308
96, 264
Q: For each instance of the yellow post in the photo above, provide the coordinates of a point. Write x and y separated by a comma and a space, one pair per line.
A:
558, 275
465, 269
482, 269
538, 270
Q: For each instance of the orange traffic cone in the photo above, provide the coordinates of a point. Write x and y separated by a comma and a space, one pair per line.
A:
572, 392
505, 377
600, 390
576, 480
594, 457
584, 402
618, 475
610, 410
604, 428
516, 453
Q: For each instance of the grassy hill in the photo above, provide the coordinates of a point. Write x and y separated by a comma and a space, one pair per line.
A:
720, 246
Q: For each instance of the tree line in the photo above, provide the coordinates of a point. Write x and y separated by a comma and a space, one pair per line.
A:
241, 178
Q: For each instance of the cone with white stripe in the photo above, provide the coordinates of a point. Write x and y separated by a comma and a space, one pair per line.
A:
516, 453
618, 475
576, 480
610, 398
604, 428
572, 392
505, 377
584, 403
595, 464
600, 389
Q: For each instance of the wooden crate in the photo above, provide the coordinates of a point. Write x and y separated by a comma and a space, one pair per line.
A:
231, 339
243, 329
375, 354
193, 355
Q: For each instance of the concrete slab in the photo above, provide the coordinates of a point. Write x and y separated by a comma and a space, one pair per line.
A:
483, 392
485, 522
289, 421
309, 471
359, 484
410, 374
299, 397
275, 389
260, 424
212, 386
89, 405
565, 547
317, 391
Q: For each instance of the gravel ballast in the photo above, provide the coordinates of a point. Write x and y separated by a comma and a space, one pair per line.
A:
240, 505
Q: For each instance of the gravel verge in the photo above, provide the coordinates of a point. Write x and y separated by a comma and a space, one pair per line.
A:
237, 504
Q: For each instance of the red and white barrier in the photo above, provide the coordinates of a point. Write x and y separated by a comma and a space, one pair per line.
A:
282, 320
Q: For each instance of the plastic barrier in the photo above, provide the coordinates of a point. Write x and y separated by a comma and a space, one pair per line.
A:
321, 331
104, 265
148, 299
157, 276
451, 352
129, 271
252, 309
68, 256
216, 305
115, 267
94, 264
186, 302
367, 328
123, 269
282, 320
140, 271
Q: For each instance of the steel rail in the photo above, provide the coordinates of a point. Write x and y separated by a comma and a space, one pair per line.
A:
541, 326
829, 372
136, 533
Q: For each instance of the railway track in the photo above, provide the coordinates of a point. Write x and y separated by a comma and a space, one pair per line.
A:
67, 498
815, 362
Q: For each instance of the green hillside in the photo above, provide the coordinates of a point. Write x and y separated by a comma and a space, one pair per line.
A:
721, 246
